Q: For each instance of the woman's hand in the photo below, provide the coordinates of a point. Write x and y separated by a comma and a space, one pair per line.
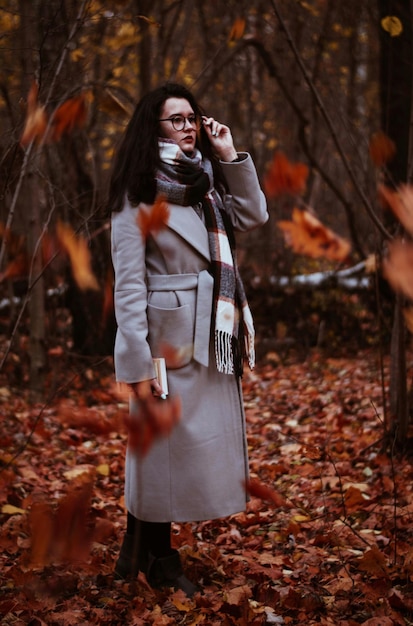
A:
221, 139
146, 389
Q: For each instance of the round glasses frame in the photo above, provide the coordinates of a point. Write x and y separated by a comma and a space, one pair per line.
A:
179, 121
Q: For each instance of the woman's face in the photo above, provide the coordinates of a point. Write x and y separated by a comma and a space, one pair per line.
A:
180, 111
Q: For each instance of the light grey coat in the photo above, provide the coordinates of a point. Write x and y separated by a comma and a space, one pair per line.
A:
163, 296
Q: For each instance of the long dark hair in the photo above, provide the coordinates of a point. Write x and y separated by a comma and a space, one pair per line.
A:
137, 159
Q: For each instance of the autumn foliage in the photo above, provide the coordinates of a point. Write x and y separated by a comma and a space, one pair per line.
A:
39, 127
307, 235
325, 538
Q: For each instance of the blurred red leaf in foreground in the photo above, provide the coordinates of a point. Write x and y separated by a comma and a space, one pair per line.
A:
257, 489
382, 149
92, 419
70, 115
63, 534
307, 235
153, 219
400, 202
284, 177
80, 257
397, 266
154, 419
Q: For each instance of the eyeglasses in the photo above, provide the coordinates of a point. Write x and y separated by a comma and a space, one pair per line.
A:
179, 121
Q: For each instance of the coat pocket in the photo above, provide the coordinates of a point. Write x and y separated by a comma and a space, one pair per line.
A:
171, 334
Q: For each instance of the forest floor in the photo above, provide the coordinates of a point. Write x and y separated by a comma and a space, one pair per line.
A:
327, 537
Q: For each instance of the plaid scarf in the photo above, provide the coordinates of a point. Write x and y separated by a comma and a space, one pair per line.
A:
188, 181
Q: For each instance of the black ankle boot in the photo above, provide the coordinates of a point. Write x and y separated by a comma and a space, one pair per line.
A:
132, 558
166, 571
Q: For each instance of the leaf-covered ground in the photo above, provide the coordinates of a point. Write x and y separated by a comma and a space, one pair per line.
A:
339, 551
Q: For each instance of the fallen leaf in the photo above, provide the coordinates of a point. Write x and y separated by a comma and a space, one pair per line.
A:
374, 562
103, 469
238, 594
9, 509
307, 235
354, 497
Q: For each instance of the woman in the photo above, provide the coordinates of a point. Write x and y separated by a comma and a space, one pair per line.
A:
179, 288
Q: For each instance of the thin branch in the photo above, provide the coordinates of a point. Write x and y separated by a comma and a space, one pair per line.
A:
330, 125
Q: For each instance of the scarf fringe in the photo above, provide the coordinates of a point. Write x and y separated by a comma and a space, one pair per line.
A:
223, 352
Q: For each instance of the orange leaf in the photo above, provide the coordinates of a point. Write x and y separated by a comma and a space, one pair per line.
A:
257, 489
285, 177
237, 29
307, 235
149, 20
154, 218
400, 202
398, 266
36, 120
382, 149
79, 254
16, 268
70, 115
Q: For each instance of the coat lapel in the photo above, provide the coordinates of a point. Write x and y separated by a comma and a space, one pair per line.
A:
184, 221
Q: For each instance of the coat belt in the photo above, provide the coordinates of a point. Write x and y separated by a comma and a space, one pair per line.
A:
204, 284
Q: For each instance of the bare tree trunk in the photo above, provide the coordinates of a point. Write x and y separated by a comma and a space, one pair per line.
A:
31, 199
36, 286
396, 98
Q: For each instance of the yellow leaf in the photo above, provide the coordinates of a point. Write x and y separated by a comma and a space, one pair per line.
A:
9, 509
392, 25
301, 518
103, 469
